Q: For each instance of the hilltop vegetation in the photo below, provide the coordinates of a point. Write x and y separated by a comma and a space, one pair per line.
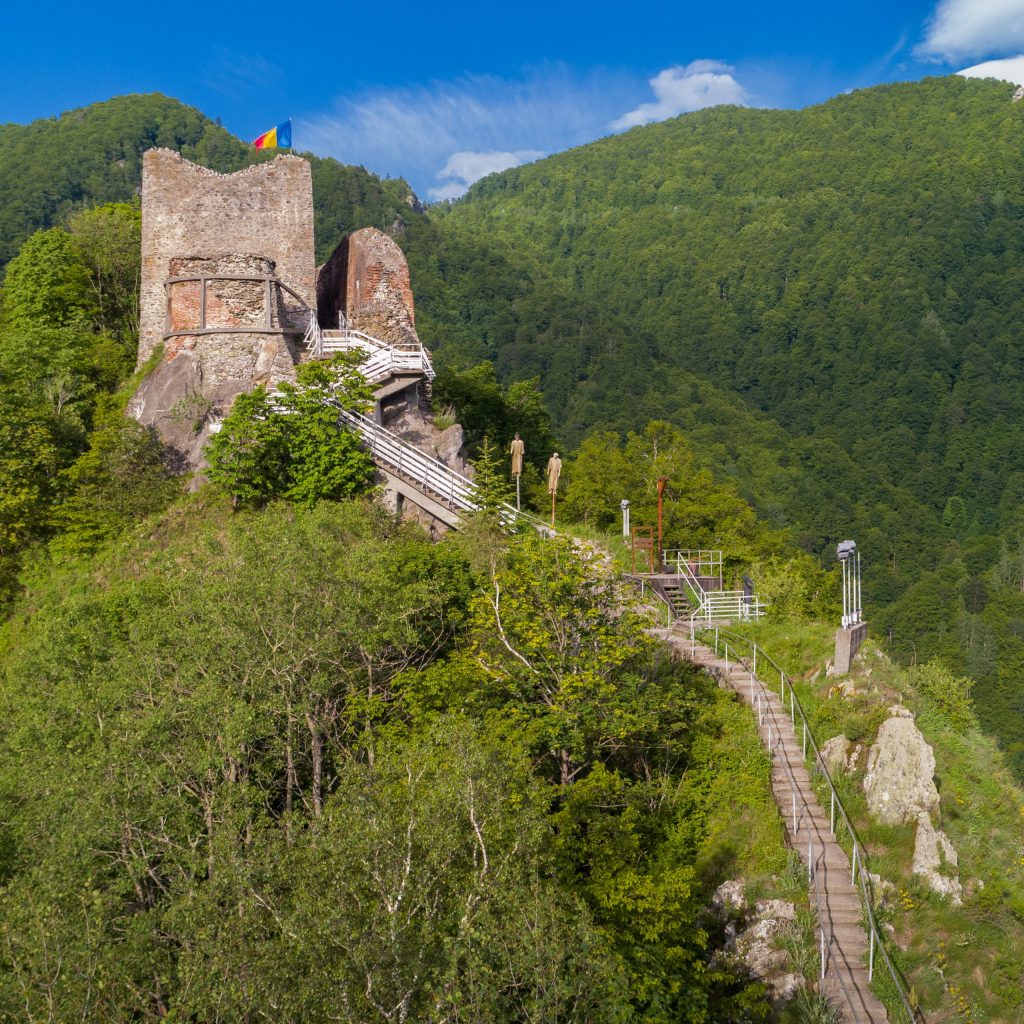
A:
302, 759
827, 301
962, 963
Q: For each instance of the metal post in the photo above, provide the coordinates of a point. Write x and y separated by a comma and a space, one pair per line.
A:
871, 952
805, 741
794, 812
853, 870
792, 704
810, 863
716, 639
832, 817
755, 658
822, 954
662, 480
860, 610
726, 655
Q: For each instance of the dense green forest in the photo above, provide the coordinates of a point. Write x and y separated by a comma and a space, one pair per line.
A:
828, 300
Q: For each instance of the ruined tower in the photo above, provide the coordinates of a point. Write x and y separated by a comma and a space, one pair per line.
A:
228, 288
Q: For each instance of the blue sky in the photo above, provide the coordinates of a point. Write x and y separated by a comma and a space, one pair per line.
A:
443, 94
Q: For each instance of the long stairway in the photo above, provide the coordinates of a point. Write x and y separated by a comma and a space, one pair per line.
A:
843, 941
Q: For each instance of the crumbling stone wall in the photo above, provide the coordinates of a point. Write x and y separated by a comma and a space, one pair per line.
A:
187, 209
200, 374
367, 279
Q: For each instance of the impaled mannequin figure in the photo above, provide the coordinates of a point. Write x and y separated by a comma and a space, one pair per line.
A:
554, 472
518, 449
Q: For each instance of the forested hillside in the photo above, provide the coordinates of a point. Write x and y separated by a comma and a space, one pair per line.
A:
268, 751
851, 272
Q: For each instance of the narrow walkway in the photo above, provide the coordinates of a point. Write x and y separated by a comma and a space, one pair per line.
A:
841, 932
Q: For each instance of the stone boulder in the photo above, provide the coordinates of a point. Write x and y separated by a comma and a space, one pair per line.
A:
899, 781
758, 945
729, 897
835, 752
933, 852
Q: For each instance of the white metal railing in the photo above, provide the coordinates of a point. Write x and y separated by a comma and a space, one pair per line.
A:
458, 492
427, 474
700, 562
719, 605
382, 360
313, 338
860, 869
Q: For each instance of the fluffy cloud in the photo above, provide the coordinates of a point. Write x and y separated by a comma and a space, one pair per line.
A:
465, 167
1011, 69
973, 28
704, 83
454, 131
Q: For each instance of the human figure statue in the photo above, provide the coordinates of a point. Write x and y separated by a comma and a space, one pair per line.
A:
518, 449
554, 472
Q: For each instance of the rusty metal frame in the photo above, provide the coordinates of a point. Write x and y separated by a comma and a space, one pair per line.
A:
269, 280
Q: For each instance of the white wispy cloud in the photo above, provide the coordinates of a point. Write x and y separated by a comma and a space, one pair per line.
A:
466, 166
702, 83
973, 28
230, 72
448, 131
1010, 69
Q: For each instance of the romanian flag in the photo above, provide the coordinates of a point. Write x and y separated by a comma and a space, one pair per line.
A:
277, 138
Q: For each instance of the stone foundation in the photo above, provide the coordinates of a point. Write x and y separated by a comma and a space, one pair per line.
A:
848, 641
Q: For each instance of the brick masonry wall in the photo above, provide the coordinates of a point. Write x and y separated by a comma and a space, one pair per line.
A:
367, 278
188, 210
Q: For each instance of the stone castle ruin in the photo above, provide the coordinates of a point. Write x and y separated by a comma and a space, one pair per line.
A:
231, 299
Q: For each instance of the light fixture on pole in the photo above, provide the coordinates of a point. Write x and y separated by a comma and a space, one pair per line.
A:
849, 558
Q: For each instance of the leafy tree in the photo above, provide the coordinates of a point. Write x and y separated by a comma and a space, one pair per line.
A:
48, 284
492, 487
109, 238
292, 445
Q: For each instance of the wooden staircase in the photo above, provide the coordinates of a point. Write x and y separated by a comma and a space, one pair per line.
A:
842, 937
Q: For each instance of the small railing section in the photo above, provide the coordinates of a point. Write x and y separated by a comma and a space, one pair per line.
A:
382, 360
840, 824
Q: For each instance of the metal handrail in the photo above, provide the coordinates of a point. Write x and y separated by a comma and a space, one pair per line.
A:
708, 560
384, 358
451, 487
727, 604
860, 866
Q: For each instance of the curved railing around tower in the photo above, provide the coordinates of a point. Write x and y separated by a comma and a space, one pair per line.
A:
302, 315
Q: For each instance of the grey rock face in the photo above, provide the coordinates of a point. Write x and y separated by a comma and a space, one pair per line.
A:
729, 897
834, 753
899, 782
932, 852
